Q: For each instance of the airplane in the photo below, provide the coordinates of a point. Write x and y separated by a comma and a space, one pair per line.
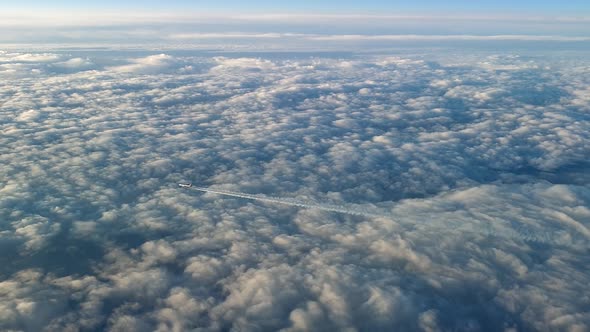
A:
185, 185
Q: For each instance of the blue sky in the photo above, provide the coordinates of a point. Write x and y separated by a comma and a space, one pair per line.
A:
577, 7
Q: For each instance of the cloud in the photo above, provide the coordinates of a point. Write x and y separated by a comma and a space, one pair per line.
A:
75, 63
478, 164
30, 115
35, 231
9, 57
227, 35
85, 18
149, 64
445, 38
206, 30
372, 37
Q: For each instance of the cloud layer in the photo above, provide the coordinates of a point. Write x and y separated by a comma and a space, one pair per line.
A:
285, 31
96, 235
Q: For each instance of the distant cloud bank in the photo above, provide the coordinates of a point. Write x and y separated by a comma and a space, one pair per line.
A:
166, 28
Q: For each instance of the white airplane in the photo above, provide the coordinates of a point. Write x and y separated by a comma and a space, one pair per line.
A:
185, 185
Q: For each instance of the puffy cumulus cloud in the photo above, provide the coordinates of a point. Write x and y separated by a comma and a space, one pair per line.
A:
29, 115
15, 57
475, 167
27, 65
73, 65
148, 65
35, 231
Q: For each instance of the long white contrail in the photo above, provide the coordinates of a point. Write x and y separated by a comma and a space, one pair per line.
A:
523, 233
356, 211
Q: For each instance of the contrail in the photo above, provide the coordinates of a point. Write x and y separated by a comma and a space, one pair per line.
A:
293, 202
518, 232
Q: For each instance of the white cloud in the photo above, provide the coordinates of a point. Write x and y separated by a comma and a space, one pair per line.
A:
35, 230
30, 115
149, 64
7, 57
444, 38
228, 35
373, 37
279, 31
75, 63
480, 173
85, 18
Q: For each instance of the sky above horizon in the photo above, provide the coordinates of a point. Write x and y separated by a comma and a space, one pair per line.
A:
576, 7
